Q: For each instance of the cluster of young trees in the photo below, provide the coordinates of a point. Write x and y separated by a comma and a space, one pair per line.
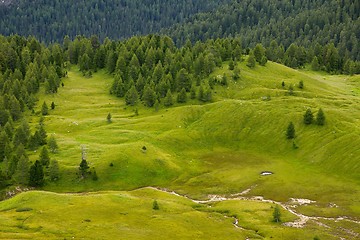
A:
25, 64
151, 68
50, 21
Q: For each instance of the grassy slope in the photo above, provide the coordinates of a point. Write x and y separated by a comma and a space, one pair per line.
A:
219, 147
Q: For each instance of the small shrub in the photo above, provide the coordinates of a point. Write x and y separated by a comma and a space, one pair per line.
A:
155, 205
24, 209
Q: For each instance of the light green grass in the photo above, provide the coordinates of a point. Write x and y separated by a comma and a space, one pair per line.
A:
220, 147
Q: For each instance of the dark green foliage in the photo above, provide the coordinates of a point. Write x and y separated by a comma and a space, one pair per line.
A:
308, 117
259, 53
316, 238
149, 96
36, 178
155, 205
181, 97
54, 172
83, 167
231, 65
290, 131
236, 74
22, 170
94, 175
44, 109
320, 117
108, 118
315, 64
44, 157
301, 84
251, 60
282, 84
52, 144
131, 97
52, 105
277, 214
168, 100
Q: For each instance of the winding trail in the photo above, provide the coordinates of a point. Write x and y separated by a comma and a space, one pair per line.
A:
299, 223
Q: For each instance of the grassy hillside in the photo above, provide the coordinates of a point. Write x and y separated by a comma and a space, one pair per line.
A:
129, 215
198, 150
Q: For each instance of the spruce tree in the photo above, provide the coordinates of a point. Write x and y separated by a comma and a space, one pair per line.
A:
54, 172
36, 178
131, 97
308, 117
320, 117
22, 170
290, 132
52, 144
83, 167
108, 118
251, 60
52, 105
168, 101
277, 214
44, 109
181, 97
44, 157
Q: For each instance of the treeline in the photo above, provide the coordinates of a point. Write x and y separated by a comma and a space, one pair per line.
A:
51, 21
152, 68
25, 64
305, 23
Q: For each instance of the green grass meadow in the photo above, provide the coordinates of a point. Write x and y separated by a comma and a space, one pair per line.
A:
197, 150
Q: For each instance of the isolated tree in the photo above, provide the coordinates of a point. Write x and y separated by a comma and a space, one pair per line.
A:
108, 118
290, 132
42, 135
44, 109
36, 178
301, 84
320, 117
282, 84
155, 205
277, 214
52, 105
94, 175
52, 144
308, 117
44, 156
83, 167
54, 172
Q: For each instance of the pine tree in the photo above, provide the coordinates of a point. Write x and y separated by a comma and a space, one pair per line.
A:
52, 105
83, 167
251, 60
44, 109
168, 101
308, 117
155, 205
290, 132
291, 90
277, 214
36, 178
108, 118
44, 157
193, 92
22, 170
181, 97
301, 84
320, 117
131, 97
52, 144
149, 96
54, 172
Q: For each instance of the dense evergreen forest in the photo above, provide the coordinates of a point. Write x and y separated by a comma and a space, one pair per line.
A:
306, 23
50, 21
155, 70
